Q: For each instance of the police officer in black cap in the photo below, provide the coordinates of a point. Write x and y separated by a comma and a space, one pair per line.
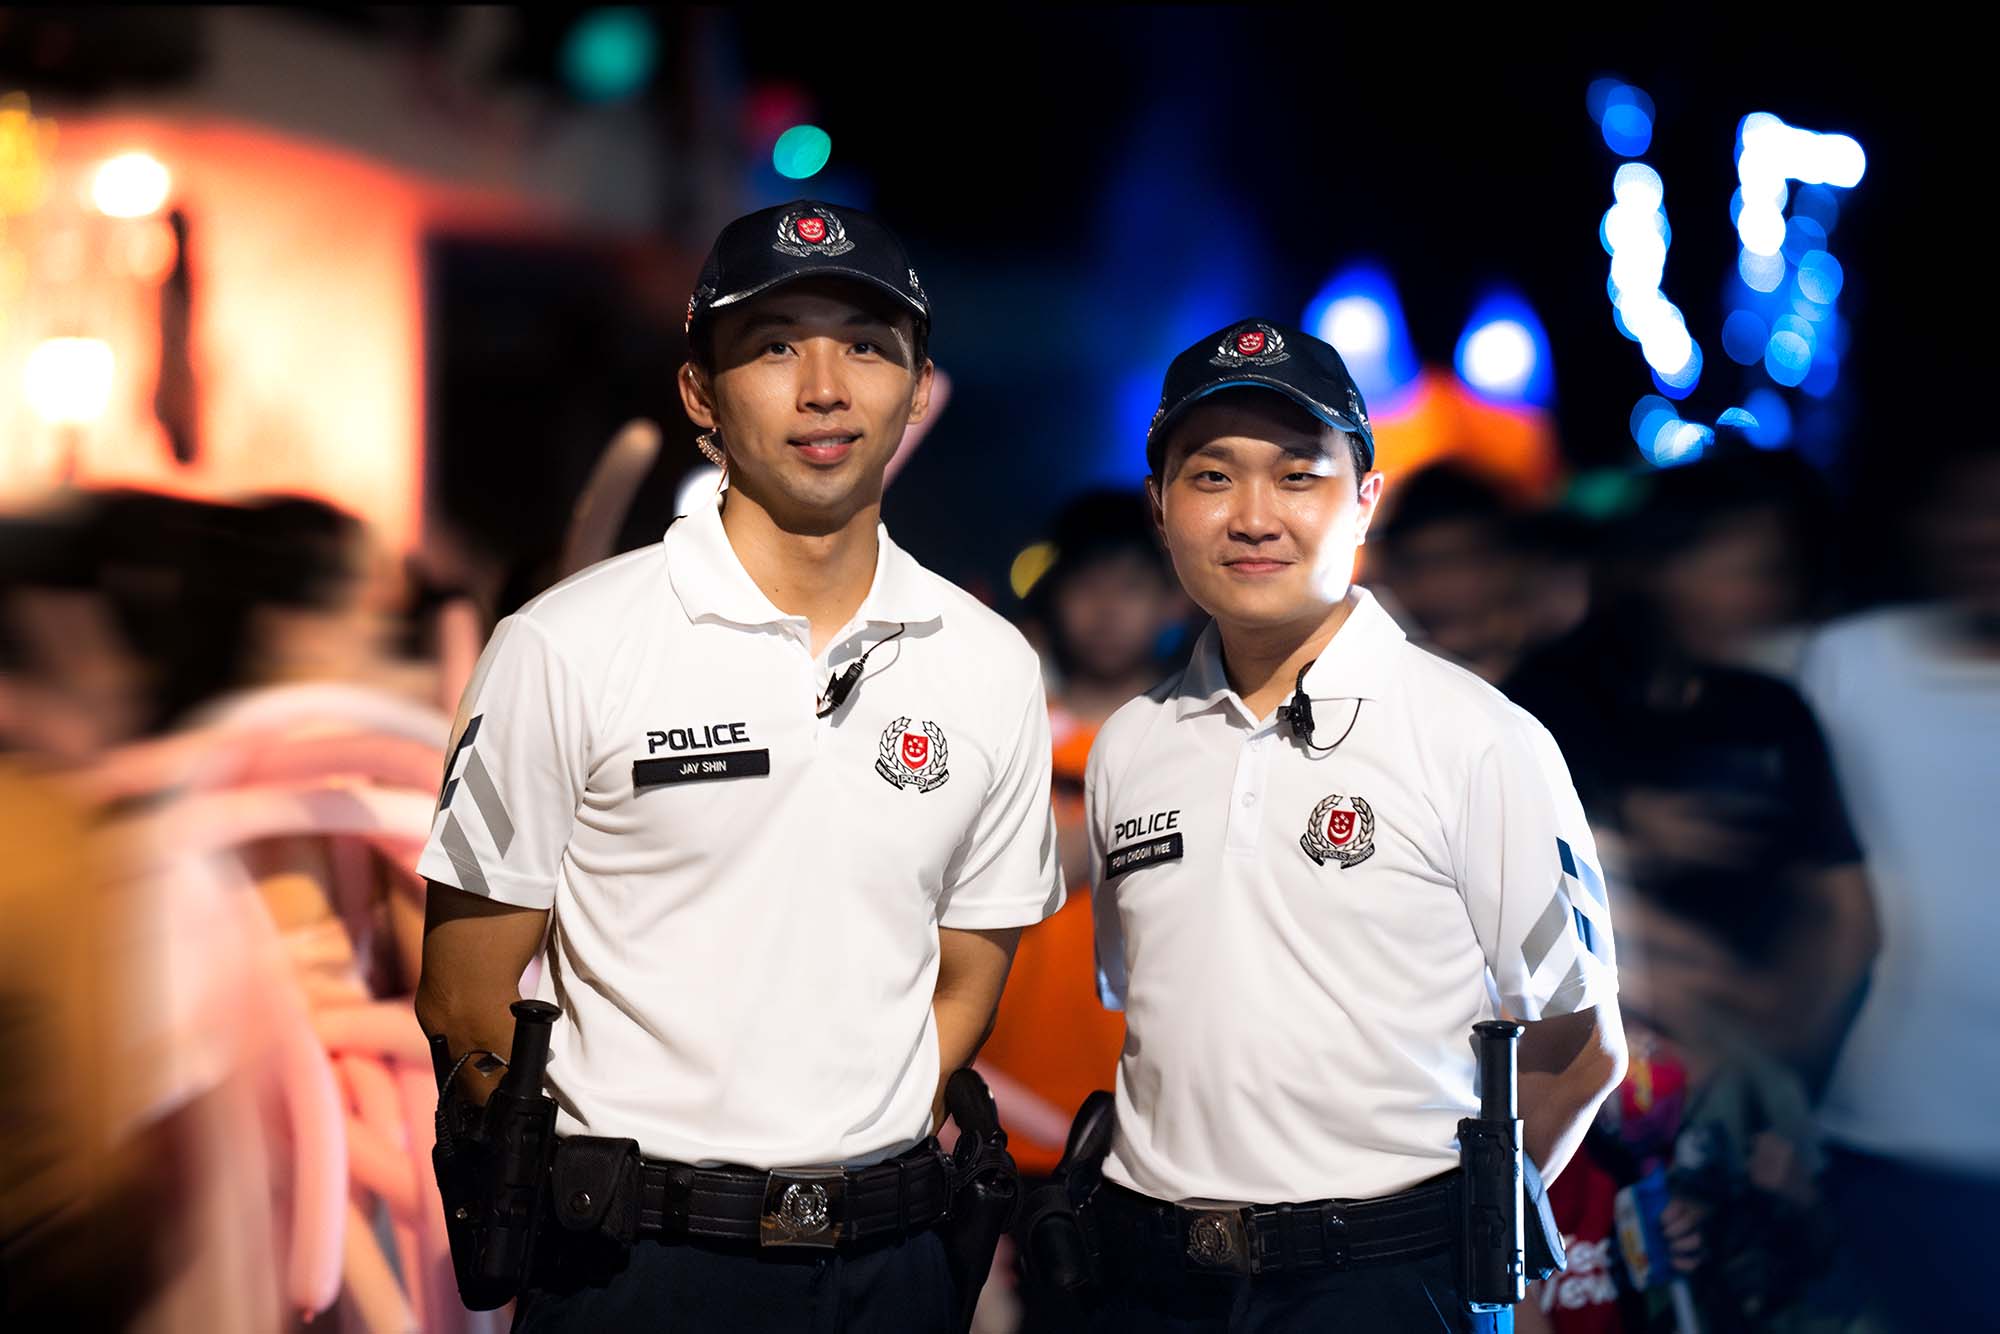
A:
1323, 856
777, 798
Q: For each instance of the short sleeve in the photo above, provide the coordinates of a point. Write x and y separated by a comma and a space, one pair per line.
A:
1110, 937
515, 776
1008, 873
1528, 869
1826, 834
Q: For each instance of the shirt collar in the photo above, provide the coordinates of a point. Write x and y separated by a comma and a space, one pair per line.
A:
1359, 663
1356, 664
712, 583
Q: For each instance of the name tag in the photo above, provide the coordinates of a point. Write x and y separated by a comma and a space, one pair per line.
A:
701, 768
1131, 858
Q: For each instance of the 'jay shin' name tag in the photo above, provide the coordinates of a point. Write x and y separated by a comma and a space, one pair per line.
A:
701, 768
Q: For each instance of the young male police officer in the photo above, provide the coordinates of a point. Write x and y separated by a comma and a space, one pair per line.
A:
781, 797
1325, 855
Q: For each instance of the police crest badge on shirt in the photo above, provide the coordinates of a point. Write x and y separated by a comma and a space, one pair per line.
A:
1341, 829
916, 759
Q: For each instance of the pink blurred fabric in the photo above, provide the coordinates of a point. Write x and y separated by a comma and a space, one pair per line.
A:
321, 1093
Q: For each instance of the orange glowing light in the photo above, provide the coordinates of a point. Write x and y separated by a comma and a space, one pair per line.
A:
68, 380
131, 185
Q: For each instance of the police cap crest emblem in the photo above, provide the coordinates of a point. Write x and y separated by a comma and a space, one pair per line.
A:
1253, 344
811, 232
1341, 829
918, 759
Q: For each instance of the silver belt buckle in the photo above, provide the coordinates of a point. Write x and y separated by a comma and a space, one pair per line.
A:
803, 1207
1216, 1240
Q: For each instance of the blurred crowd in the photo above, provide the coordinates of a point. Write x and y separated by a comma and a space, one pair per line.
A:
222, 726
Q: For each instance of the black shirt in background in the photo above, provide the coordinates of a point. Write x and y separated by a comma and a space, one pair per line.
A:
1745, 742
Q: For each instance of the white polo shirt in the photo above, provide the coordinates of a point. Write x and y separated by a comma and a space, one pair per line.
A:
746, 898
1302, 942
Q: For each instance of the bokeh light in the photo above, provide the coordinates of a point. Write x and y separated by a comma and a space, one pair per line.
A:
67, 381
609, 54
131, 185
801, 151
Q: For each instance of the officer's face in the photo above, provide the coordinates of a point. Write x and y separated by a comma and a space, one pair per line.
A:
811, 390
1261, 511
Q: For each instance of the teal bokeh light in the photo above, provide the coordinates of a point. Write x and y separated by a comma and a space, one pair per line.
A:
801, 151
610, 54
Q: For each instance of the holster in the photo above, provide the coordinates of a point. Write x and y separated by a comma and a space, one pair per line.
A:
1060, 1243
492, 1164
985, 1188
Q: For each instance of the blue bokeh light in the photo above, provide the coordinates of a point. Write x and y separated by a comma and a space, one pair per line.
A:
1504, 351
1773, 416
1802, 235
1761, 273
1787, 358
1820, 277
1628, 131
1359, 312
1627, 120
1818, 203
1743, 337
1649, 414
1823, 375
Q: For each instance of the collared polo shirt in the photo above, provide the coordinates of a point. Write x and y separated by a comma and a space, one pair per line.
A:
746, 898
1302, 940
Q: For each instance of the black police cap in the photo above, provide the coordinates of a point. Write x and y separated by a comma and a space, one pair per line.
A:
803, 239
1259, 354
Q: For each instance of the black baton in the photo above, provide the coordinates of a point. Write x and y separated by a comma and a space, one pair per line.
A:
1489, 1152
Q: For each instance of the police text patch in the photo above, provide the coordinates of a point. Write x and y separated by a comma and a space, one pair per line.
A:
1130, 858
701, 768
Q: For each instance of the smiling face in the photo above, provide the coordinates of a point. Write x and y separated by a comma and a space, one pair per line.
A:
810, 387
1261, 510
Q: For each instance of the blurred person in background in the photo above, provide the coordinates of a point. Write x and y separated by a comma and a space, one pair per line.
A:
1709, 783
1448, 563
1752, 926
1105, 605
249, 949
328, 744
1555, 547
1910, 697
91, 1200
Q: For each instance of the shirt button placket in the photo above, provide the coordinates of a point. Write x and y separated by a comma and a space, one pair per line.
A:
1246, 799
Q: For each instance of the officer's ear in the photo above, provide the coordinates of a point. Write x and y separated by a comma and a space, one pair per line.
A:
1157, 504
1369, 499
697, 394
920, 393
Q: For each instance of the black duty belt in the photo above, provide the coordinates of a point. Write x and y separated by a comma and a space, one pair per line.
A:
1282, 1238
823, 1208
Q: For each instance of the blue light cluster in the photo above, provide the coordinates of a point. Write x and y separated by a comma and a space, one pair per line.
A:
1781, 323
1664, 439
1635, 233
1787, 281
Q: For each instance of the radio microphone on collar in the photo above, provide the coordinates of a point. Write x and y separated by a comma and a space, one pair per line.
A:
839, 687
1297, 716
